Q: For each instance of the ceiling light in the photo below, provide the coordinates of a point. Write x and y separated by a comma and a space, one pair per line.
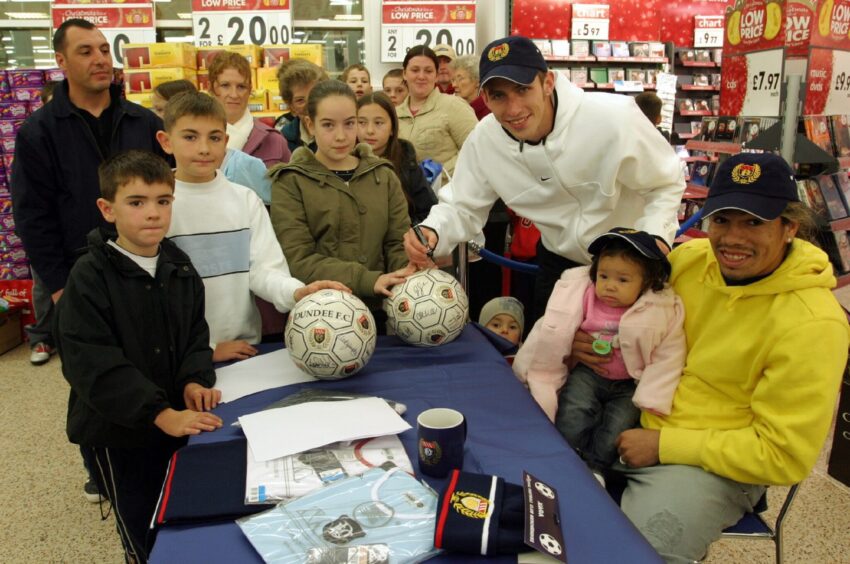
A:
185, 15
27, 15
38, 38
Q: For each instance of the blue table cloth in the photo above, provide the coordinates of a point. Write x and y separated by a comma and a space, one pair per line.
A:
507, 433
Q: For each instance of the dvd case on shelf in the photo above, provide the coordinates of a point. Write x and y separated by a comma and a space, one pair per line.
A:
817, 130
841, 135
580, 47
834, 201
601, 49
620, 49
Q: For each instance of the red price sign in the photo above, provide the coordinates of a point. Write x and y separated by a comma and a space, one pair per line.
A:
423, 22
827, 82
241, 22
751, 84
708, 31
119, 23
590, 21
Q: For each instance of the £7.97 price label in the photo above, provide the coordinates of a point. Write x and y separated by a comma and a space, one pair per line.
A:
241, 22
407, 24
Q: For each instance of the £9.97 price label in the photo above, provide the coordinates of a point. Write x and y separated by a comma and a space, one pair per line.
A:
407, 24
241, 22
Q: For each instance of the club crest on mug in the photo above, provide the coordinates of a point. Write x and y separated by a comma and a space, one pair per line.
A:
430, 451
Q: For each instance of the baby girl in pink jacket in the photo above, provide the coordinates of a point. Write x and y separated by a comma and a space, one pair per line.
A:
622, 300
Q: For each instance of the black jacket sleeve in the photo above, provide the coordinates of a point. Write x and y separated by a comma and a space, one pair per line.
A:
34, 205
93, 361
197, 364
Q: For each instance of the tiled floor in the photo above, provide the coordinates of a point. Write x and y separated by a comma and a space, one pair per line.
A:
44, 517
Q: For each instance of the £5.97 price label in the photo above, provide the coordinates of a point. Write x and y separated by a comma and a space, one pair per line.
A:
590, 21
241, 22
407, 24
120, 24
708, 31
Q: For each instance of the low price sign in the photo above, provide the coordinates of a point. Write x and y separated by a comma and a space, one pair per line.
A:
752, 83
827, 82
119, 23
590, 21
407, 24
708, 31
241, 22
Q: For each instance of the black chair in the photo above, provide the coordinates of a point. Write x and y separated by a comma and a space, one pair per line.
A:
753, 525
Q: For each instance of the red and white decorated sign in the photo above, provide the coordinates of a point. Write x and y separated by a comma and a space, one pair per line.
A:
799, 15
831, 27
407, 24
119, 23
590, 21
751, 84
754, 25
827, 82
708, 31
241, 22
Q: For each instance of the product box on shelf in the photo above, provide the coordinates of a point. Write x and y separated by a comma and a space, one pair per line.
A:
580, 47
639, 49
308, 51
145, 80
809, 191
717, 56
159, 55
259, 101
840, 135
834, 202
10, 127
599, 75
843, 245
615, 74
26, 93
702, 56
560, 47
9, 238
750, 129
25, 78
274, 55
7, 145
276, 103
204, 80
13, 254
637, 75
13, 110
253, 53
727, 129
544, 46
267, 79
141, 98
7, 222
656, 49
10, 330
817, 130
688, 56
14, 270
54, 75
579, 75
620, 49
5, 205
4, 82
601, 48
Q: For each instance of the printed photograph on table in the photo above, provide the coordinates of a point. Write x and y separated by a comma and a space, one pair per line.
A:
834, 201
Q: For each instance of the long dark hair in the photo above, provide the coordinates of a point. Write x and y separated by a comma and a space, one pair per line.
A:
394, 151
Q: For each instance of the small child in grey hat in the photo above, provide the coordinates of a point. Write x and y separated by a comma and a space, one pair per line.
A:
505, 317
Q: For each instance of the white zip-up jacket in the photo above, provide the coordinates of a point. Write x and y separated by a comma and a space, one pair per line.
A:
603, 165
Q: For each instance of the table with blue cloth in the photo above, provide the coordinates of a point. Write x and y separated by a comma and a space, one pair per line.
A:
507, 433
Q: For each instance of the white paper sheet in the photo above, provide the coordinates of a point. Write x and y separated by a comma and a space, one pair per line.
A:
289, 430
263, 372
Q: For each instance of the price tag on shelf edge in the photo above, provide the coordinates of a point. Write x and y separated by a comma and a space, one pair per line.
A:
590, 21
764, 83
120, 24
249, 22
405, 25
708, 31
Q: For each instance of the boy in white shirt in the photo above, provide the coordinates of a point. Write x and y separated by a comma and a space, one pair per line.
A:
225, 230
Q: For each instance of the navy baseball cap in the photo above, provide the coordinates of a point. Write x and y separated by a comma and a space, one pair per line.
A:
761, 184
515, 58
643, 242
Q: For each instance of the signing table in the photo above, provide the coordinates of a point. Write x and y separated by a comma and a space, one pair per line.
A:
507, 433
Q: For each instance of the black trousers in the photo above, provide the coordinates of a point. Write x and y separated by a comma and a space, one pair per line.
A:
551, 268
131, 479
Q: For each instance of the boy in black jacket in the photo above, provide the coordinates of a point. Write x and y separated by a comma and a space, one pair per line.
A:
134, 345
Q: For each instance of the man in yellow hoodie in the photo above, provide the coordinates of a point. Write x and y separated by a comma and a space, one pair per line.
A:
767, 346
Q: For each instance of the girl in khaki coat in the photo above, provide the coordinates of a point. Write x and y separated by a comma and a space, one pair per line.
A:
340, 214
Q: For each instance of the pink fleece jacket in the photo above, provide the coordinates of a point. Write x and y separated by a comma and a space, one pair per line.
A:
652, 340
